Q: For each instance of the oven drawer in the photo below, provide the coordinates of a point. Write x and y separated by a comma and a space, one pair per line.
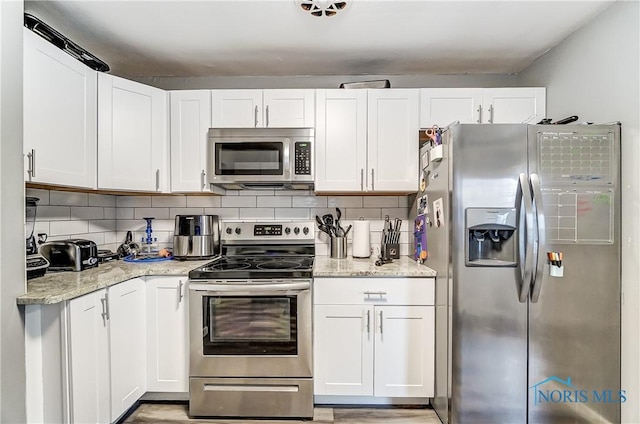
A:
251, 397
385, 291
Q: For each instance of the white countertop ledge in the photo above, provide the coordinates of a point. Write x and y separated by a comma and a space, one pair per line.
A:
349, 267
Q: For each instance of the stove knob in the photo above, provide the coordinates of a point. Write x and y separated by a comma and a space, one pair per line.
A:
238, 230
287, 230
296, 230
305, 230
229, 230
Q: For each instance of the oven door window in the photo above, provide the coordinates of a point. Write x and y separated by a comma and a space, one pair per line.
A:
249, 158
250, 325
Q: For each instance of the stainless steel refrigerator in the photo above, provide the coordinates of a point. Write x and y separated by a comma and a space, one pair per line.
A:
523, 228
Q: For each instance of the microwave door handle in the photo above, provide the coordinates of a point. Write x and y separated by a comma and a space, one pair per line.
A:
286, 161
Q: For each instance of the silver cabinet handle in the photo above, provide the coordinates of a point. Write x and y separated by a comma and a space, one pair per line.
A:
255, 114
32, 163
157, 179
180, 295
372, 180
541, 238
368, 322
202, 180
375, 293
361, 179
491, 114
524, 275
266, 119
381, 319
105, 307
479, 110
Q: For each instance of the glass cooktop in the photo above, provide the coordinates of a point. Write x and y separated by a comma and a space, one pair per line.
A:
253, 267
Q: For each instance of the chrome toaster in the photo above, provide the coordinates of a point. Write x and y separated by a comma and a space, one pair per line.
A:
70, 255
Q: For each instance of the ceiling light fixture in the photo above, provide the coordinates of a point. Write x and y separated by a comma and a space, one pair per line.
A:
322, 7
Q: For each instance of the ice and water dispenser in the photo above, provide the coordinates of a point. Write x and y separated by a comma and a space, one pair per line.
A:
491, 237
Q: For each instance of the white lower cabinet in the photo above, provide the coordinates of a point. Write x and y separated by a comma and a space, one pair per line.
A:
167, 334
127, 347
373, 337
88, 330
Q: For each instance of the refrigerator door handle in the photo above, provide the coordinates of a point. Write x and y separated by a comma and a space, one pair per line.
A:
525, 273
540, 248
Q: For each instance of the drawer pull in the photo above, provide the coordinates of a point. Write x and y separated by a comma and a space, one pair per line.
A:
375, 293
368, 322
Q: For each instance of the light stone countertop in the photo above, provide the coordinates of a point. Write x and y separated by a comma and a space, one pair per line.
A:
324, 266
55, 287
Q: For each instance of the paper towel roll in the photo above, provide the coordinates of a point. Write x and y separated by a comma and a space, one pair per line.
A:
361, 245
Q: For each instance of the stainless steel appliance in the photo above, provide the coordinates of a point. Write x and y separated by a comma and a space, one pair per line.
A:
523, 228
70, 255
196, 236
239, 158
36, 264
250, 323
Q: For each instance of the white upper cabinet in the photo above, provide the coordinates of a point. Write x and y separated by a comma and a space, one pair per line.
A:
513, 105
442, 106
341, 140
392, 162
190, 119
60, 103
132, 135
262, 108
366, 140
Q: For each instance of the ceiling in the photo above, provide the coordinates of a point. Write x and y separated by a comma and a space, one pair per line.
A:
277, 37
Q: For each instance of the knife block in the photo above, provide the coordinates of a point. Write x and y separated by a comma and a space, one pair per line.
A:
390, 250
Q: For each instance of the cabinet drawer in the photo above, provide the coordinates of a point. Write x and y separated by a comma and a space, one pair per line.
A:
374, 291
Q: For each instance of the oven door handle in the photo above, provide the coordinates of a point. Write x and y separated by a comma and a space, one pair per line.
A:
217, 289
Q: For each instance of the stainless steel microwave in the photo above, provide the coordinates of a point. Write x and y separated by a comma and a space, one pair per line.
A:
254, 158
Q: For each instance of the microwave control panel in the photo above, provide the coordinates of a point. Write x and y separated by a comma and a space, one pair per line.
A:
302, 158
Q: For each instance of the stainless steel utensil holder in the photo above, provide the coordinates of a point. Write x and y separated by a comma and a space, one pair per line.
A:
338, 247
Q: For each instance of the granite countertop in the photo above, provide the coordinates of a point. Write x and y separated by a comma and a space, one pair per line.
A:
55, 287
349, 267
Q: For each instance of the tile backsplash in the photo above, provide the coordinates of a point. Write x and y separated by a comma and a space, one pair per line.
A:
105, 219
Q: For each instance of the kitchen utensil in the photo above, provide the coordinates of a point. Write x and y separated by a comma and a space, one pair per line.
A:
328, 222
566, 120
321, 226
339, 229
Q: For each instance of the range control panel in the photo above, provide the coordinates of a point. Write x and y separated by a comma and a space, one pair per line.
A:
302, 158
281, 231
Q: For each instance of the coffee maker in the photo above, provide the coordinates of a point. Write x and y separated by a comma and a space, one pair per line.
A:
36, 264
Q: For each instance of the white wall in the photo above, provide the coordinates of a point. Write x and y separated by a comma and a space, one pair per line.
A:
595, 74
12, 252
329, 81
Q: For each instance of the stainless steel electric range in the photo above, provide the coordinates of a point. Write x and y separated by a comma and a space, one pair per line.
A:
250, 323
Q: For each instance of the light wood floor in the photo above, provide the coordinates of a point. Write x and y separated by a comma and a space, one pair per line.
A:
177, 413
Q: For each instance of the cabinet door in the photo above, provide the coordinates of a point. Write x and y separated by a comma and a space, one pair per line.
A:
392, 161
513, 105
167, 335
404, 351
236, 109
442, 106
128, 350
341, 140
343, 350
190, 119
289, 108
89, 358
60, 104
132, 135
